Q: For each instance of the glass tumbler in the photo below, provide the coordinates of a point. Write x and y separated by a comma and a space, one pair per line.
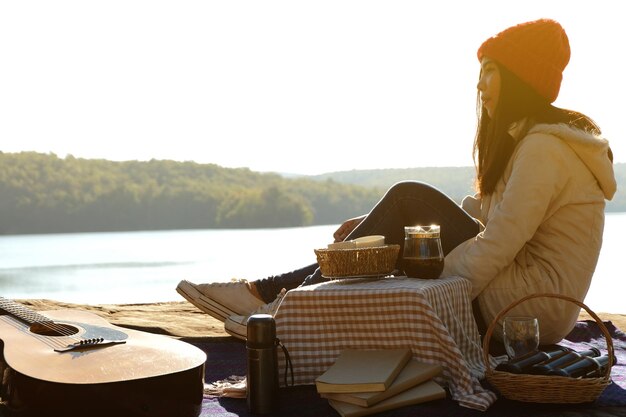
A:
520, 335
422, 256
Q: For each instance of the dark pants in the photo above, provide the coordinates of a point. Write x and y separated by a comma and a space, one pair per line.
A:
406, 203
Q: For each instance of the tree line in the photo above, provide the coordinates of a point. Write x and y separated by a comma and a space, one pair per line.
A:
42, 193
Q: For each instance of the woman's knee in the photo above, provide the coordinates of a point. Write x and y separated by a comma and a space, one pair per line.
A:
410, 189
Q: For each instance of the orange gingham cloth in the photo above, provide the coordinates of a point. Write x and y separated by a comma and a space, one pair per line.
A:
431, 317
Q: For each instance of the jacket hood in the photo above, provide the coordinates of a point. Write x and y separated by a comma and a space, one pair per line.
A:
591, 149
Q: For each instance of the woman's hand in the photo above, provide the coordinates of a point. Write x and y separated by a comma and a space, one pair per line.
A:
347, 227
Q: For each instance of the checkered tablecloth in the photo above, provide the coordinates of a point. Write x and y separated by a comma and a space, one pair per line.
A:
431, 317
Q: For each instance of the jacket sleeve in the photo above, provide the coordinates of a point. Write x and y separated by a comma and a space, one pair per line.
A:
538, 175
471, 204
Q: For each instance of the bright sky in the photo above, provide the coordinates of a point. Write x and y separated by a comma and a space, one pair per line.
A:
289, 86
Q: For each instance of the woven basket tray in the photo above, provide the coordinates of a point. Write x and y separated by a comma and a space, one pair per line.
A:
543, 388
372, 261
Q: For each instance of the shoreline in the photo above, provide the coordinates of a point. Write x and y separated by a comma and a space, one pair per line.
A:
183, 319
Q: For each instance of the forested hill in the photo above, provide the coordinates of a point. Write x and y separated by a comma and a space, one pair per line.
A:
457, 182
42, 193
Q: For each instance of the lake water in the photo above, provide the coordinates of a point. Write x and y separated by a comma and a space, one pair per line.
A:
142, 267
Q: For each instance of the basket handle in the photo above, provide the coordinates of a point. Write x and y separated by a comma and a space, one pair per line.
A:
607, 336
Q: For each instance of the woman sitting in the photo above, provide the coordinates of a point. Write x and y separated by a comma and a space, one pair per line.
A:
536, 222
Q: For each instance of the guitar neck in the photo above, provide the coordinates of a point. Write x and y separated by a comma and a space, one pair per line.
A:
21, 312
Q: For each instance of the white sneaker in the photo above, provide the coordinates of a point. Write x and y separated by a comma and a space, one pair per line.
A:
221, 299
235, 325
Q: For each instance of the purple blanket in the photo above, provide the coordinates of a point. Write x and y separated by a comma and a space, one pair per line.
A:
228, 357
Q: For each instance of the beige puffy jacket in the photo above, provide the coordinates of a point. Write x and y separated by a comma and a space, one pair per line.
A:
543, 228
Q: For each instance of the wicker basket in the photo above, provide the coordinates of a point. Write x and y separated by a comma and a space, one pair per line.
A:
343, 263
543, 388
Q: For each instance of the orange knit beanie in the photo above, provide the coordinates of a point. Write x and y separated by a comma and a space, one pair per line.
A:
537, 52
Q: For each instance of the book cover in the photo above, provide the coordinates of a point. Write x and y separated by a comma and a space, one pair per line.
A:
427, 391
414, 373
363, 370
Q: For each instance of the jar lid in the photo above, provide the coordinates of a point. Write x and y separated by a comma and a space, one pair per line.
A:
430, 231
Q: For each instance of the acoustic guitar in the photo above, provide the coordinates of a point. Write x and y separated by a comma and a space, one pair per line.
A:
72, 362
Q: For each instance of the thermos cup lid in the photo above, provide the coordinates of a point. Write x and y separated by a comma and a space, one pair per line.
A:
261, 331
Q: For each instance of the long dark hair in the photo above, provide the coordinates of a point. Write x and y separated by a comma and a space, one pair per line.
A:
493, 145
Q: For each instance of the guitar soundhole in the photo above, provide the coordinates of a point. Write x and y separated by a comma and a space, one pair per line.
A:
53, 329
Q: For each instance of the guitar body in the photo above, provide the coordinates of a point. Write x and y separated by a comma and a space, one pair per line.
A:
130, 373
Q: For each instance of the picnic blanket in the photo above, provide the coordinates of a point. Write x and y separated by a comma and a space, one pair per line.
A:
227, 357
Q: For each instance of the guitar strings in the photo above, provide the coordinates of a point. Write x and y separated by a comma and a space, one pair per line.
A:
32, 317
19, 325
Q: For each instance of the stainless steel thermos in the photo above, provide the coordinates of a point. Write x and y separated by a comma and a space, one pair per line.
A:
262, 379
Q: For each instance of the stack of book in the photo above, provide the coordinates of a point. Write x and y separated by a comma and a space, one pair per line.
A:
365, 382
